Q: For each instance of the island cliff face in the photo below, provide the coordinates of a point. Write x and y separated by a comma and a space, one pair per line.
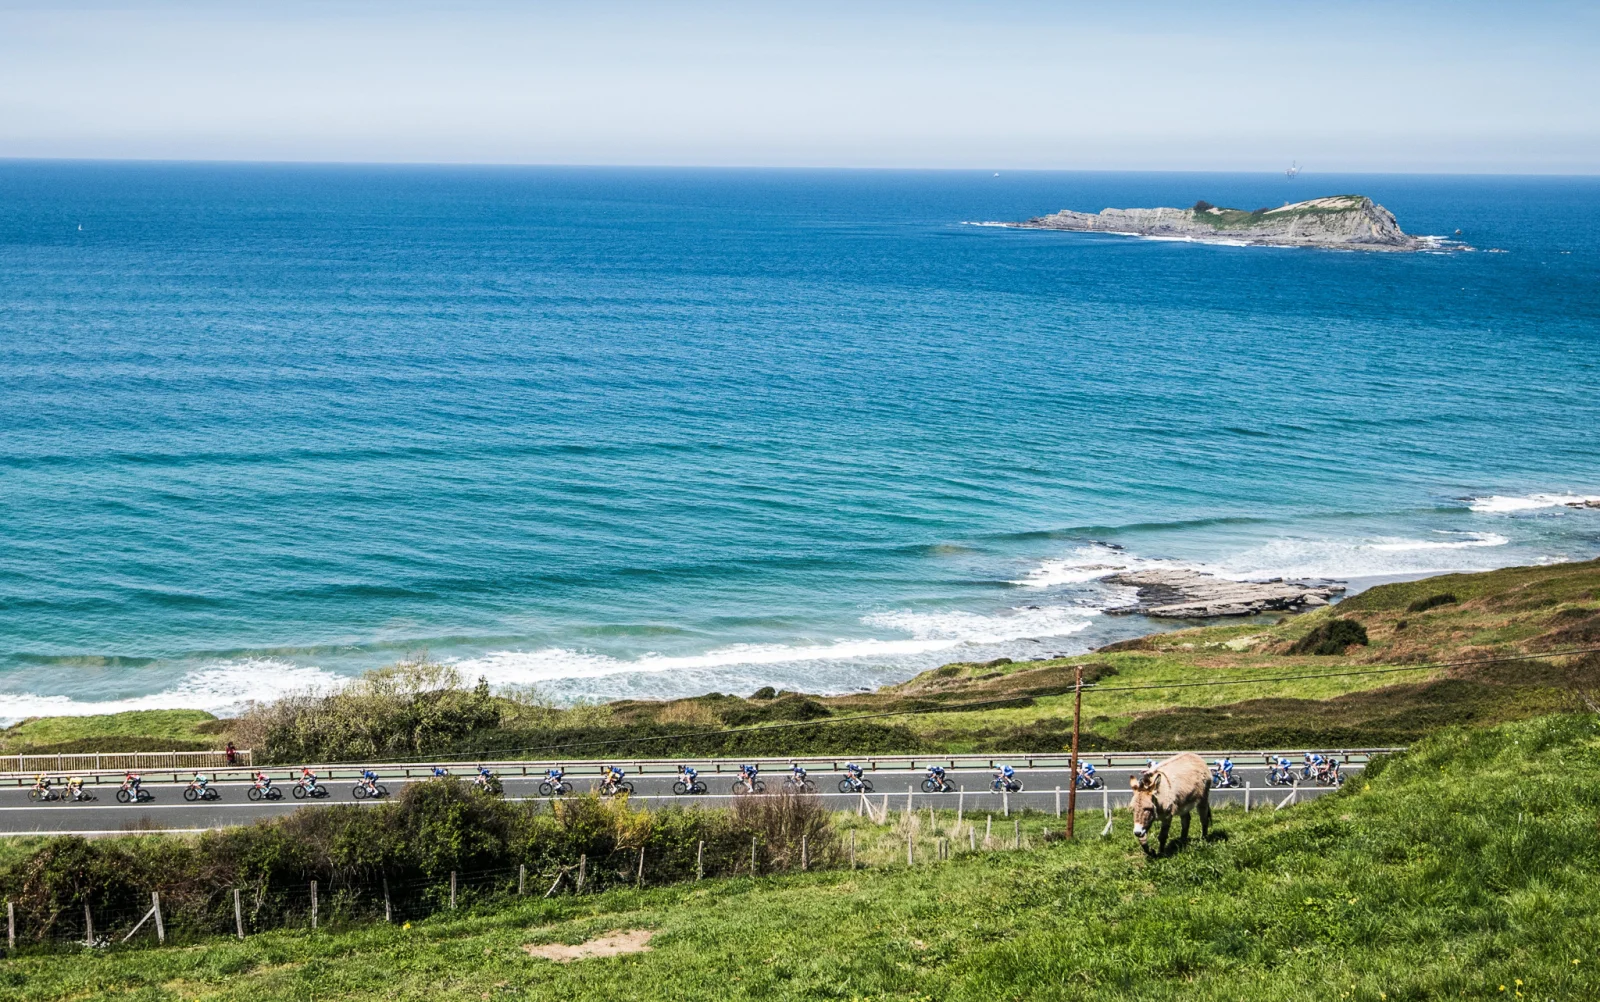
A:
1352, 222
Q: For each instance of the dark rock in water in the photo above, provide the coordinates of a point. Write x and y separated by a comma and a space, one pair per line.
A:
1185, 594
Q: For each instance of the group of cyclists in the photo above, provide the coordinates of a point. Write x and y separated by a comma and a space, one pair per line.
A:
1280, 771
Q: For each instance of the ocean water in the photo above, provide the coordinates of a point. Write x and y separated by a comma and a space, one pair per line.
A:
652, 432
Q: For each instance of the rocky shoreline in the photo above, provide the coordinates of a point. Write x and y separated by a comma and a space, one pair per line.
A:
1339, 222
1186, 594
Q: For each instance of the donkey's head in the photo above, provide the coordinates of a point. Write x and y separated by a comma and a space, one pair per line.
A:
1144, 786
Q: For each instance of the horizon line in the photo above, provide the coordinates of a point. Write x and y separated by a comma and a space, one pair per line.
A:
512, 164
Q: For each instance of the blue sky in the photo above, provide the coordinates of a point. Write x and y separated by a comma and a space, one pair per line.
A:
1248, 86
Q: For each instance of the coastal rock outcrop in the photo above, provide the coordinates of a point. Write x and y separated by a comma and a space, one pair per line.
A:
1187, 594
1351, 222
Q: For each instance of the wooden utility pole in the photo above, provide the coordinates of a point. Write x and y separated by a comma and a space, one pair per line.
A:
1077, 715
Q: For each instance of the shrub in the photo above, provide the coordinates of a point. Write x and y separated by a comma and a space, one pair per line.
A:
1332, 637
1203, 206
1432, 602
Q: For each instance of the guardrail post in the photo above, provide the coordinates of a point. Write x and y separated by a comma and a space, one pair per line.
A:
313, 904
452, 890
238, 914
161, 927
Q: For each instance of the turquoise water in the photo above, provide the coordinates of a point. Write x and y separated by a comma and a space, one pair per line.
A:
649, 432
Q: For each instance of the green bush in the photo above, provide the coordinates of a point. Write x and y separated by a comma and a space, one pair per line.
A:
1332, 637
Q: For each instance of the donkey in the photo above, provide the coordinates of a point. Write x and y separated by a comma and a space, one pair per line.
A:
1177, 786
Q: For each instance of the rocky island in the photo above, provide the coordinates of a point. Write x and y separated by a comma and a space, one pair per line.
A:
1188, 594
1342, 222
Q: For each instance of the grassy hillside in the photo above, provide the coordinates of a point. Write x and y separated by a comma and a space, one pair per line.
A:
136, 730
404, 712
1470, 863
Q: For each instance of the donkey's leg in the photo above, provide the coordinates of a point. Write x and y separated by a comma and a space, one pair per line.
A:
1205, 818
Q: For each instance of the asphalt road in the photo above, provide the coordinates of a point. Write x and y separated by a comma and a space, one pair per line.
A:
19, 815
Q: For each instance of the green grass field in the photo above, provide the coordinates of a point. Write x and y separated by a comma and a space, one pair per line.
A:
136, 730
1469, 863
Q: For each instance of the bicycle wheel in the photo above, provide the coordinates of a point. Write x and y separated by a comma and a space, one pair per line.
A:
626, 786
383, 791
845, 786
563, 788
359, 792
122, 796
545, 789
928, 786
699, 787
299, 792
190, 794
680, 788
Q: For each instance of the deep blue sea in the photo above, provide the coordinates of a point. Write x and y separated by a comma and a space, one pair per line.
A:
650, 432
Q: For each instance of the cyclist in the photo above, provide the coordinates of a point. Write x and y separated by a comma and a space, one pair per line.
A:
483, 777
41, 783
1005, 776
1329, 773
370, 780
1085, 773
612, 775
131, 782
555, 774
201, 782
1313, 765
1224, 769
936, 773
852, 775
798, 774
440, 772
308, 779
263, 782
688, 774
75, 788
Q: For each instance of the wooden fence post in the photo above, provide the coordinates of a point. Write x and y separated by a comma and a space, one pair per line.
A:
583, 867
1016, 833
238, 914
803, 859
1247, 797
988, 830
972, 838
155, 906
522, 879
11, 925
852, 849
910, 859
961, 803
452, 890
1058, 801
388, 913
1005, 803
908, 800
313, 904
638, 880
700, 860
753, 865
88, 924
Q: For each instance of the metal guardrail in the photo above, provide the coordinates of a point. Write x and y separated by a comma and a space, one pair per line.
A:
110, 769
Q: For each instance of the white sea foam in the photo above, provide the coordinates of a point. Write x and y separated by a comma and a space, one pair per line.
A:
1499, 504
1090, 563
930, 632
225, 687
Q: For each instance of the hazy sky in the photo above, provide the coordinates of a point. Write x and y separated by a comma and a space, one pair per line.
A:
1349, 86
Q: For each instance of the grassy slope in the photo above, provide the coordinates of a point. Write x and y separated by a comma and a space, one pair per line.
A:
1469, 863
161, 730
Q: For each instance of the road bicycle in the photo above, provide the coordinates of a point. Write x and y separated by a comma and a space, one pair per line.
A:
855, 784
1001, 784
1224, 780
937, 784
743, 785
264, 793
610, 789
361, 792
127, 796
192, 793
1090, 782
807, 785
560, 788
316, 791
685, 788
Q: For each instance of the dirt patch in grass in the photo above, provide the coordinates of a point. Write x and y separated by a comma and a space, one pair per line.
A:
617, 943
